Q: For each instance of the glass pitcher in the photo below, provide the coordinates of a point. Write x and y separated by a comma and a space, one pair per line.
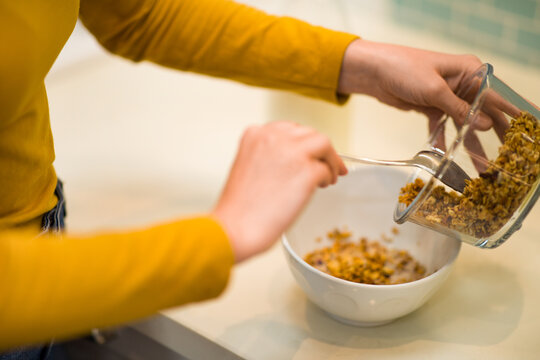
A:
497, 143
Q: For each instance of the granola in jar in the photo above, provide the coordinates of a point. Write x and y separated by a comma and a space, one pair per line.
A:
488, 201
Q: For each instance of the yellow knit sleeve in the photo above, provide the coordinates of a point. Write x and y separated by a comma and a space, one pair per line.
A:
59, 287
222, 38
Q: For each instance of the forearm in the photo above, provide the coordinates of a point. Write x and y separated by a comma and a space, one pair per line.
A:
57, 287
225, 39
359, 67
408, 78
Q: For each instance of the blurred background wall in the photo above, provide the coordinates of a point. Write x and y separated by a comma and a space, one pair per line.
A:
138, 143
510, 28
507, 27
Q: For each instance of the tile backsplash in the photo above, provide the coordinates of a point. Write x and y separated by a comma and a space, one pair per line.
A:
508, 27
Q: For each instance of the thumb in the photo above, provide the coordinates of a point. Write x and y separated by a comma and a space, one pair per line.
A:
460, 109
451, 104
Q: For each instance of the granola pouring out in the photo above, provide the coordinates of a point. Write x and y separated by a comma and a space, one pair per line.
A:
488, 201
365, 261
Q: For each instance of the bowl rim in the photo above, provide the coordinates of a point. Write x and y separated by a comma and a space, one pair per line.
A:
447, 265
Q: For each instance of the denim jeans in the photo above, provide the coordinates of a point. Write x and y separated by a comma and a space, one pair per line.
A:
52, 221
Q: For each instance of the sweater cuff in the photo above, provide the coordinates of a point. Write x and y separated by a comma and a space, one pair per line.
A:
215, 252
336, 43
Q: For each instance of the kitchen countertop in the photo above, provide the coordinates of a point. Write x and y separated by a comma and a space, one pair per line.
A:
486, 310
173, 159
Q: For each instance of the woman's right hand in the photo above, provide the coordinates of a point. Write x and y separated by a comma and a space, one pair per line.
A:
277, 168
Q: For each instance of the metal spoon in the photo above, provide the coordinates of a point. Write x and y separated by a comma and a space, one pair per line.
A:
430, 161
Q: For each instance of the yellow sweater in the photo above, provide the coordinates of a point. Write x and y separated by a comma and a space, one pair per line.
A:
56, 287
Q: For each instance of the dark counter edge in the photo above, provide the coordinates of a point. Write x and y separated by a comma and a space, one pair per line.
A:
181, 339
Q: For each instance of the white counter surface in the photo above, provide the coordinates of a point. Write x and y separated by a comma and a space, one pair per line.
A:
486, 310
137, 144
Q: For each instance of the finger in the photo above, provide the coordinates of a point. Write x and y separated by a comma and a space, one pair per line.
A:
342, 167
307, 133
471, 142
492, 115
460, 110
336, 162
447, 101
482, 122
476, 151
320, 148
500, 123
327, 152
497, 101
321, 173
436, 122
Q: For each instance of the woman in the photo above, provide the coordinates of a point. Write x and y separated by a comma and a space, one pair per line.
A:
56, 286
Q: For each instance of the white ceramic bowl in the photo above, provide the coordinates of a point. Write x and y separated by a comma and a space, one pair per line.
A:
364, 202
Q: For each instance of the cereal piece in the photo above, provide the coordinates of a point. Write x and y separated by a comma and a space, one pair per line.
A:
386, 239
338, 235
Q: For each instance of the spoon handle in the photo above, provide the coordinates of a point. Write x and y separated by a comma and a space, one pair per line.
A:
376, 162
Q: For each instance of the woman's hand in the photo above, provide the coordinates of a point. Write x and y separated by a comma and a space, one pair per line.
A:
406, 78
425, 81
277, 168
409, 79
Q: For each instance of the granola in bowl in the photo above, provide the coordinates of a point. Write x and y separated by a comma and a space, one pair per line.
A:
365, 261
